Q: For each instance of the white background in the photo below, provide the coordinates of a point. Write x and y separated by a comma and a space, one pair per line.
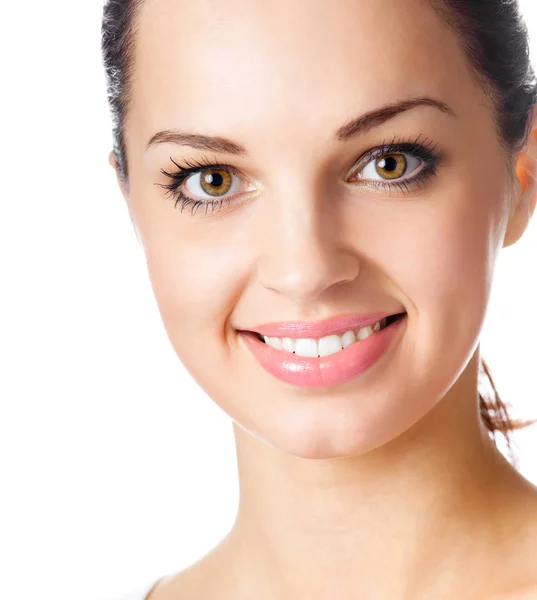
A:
115, 467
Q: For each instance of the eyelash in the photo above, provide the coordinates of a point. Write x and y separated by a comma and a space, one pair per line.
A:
424, 151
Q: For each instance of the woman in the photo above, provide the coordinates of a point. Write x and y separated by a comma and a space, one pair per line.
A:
322, 191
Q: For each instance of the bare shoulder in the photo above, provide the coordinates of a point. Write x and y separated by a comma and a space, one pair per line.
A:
521, 562
182, 585
208, 577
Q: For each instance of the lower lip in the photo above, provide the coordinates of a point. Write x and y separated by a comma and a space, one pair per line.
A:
323, 371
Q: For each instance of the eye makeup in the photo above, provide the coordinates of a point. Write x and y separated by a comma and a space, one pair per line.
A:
183, 172
425, 152
384, 155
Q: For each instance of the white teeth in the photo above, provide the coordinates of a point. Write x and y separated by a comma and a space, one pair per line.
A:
324, 346
330, 345
348, 338
274, 342
288, 344
306, 347
365, 332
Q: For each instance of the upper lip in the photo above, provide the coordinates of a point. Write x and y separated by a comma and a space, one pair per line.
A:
316, 329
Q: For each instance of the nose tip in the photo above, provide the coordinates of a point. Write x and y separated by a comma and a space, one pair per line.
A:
305, 277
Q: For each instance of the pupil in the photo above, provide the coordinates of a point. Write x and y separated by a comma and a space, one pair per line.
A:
216, 180
390, 164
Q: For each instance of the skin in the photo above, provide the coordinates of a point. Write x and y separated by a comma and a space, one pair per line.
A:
387, 486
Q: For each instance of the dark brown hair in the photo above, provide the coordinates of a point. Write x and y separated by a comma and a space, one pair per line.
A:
494, 37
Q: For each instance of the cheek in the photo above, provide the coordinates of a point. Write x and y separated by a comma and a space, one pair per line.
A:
451, 243
197, 270
449, 262
191, 284
445, 265
196, 287
192, 267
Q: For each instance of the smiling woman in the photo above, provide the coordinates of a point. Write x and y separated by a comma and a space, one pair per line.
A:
344, 189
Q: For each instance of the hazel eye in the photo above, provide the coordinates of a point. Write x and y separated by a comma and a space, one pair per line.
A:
212, 181
390, 166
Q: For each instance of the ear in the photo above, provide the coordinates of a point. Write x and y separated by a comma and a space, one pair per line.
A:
114, 165
525, 193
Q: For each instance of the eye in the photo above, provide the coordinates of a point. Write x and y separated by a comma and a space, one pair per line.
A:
214, 182
397, 165
209, 184
390, 166
204, 184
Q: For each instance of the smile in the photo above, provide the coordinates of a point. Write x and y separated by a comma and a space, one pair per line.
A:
326, 361
327, 345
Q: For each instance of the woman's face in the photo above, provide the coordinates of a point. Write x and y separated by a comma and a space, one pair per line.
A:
312, 224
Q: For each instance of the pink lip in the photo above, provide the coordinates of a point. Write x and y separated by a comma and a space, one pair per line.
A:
318, 329
324, 371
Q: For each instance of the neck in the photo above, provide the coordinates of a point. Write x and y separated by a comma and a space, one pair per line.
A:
391, 523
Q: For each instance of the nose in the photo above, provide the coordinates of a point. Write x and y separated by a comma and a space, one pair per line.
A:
304, 254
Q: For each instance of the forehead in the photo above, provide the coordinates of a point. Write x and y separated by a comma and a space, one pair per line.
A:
227, 64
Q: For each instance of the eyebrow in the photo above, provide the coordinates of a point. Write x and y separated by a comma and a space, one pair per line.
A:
347, 131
